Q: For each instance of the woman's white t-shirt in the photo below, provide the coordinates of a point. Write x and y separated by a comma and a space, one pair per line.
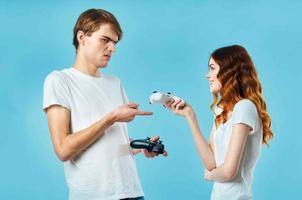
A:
106, 170
244, 112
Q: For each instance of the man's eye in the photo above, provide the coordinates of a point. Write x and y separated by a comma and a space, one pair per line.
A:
105, 40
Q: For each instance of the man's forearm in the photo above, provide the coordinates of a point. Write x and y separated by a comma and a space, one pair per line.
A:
75, 143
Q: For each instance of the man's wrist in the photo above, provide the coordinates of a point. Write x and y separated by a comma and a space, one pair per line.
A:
111, 117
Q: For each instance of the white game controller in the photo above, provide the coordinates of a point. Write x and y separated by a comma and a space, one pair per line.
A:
162, 98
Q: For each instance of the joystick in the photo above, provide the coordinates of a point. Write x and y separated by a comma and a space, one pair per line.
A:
162, 98
151, 146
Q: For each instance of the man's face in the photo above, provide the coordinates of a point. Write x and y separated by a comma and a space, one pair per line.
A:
99, 46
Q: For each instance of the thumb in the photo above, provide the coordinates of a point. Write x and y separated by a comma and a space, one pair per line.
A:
155, 138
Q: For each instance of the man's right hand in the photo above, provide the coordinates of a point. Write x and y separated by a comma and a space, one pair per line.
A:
128, 112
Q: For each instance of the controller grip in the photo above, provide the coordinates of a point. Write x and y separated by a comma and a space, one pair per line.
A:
150, 146
139, 144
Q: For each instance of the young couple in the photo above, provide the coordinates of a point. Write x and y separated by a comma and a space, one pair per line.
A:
88, 112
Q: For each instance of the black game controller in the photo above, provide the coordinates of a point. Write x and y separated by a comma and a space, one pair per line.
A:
156, 147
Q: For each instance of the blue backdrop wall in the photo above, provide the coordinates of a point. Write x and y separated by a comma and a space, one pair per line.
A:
166, 46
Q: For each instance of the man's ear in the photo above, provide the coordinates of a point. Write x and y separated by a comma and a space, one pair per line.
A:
81, 37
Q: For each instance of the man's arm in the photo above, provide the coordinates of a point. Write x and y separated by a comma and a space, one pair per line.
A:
68, 145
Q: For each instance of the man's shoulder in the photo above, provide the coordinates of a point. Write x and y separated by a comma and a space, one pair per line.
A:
111, 78
56, 75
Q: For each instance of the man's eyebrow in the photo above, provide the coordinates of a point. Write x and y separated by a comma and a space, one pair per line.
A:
108, 38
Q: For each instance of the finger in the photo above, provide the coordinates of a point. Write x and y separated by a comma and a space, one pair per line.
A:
169, 103
153, 154
146, 153
155, 138
140, 112
165, 153
132, 105
181, 104
150, 155
176, 102
173, 106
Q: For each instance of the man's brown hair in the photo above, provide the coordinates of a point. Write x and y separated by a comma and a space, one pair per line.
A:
91, 20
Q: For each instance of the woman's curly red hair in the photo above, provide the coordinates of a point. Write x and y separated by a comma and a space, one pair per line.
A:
239, 80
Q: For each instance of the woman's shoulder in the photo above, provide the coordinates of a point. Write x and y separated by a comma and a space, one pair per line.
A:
245, 103
246, 106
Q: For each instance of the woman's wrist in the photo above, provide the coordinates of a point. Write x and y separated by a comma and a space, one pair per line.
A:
190, 114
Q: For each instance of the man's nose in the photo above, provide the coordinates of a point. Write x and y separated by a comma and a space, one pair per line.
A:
111, 47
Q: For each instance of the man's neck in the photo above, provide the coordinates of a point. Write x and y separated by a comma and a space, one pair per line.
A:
85, 67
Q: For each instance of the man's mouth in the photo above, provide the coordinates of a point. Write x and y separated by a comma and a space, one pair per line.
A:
107, 56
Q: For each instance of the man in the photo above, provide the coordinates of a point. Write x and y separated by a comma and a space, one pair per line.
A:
87, 113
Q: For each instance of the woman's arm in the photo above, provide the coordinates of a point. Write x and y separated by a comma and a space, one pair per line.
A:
228, 170
203, 147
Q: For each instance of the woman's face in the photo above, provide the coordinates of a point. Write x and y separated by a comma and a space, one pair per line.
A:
215, 85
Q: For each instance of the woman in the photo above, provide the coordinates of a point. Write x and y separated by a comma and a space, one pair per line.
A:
241, 124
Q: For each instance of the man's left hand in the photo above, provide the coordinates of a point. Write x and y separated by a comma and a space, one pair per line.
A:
153, 154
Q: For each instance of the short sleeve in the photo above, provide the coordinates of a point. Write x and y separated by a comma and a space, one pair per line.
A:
245, 112
124, 95
56, 91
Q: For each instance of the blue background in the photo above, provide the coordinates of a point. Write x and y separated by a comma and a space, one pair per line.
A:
166, 46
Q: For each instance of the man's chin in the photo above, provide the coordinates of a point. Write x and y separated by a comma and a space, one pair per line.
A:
103, 65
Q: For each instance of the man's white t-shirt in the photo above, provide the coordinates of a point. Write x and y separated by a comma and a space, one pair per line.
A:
105, 170
240, 188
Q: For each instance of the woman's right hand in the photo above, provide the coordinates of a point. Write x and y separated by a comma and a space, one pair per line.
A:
180, 107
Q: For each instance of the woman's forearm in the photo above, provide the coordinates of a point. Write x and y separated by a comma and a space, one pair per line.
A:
221, 174
203, 147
